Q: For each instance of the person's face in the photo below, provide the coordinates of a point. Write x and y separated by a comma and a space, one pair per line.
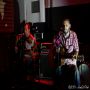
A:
27, 31
67, 26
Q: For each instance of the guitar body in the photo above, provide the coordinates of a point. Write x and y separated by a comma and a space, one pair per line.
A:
66, 57
62, 51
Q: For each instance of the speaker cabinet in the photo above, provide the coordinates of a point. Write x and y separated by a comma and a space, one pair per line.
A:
46, 61
45, 70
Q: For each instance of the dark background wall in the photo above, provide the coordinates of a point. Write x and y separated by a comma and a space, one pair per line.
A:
9, 26
79, 16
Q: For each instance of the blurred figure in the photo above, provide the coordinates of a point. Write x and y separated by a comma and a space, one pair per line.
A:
26, 48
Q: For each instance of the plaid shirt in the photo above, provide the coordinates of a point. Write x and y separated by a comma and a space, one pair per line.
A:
70, 43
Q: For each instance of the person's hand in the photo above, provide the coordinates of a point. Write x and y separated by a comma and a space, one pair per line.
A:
74, 56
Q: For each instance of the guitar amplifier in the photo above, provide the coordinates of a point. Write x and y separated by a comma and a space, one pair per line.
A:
44, 68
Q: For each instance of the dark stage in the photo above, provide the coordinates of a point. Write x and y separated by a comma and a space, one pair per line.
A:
43, 75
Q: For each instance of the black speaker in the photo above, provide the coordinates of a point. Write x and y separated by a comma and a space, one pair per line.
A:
44, 69
39, 27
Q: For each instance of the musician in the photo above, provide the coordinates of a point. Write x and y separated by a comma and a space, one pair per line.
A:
67, 50
25, 47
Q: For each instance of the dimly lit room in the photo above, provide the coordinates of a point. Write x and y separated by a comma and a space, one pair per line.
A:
45, 44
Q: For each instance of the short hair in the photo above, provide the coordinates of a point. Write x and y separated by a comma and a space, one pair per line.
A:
66, 19
27, 24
